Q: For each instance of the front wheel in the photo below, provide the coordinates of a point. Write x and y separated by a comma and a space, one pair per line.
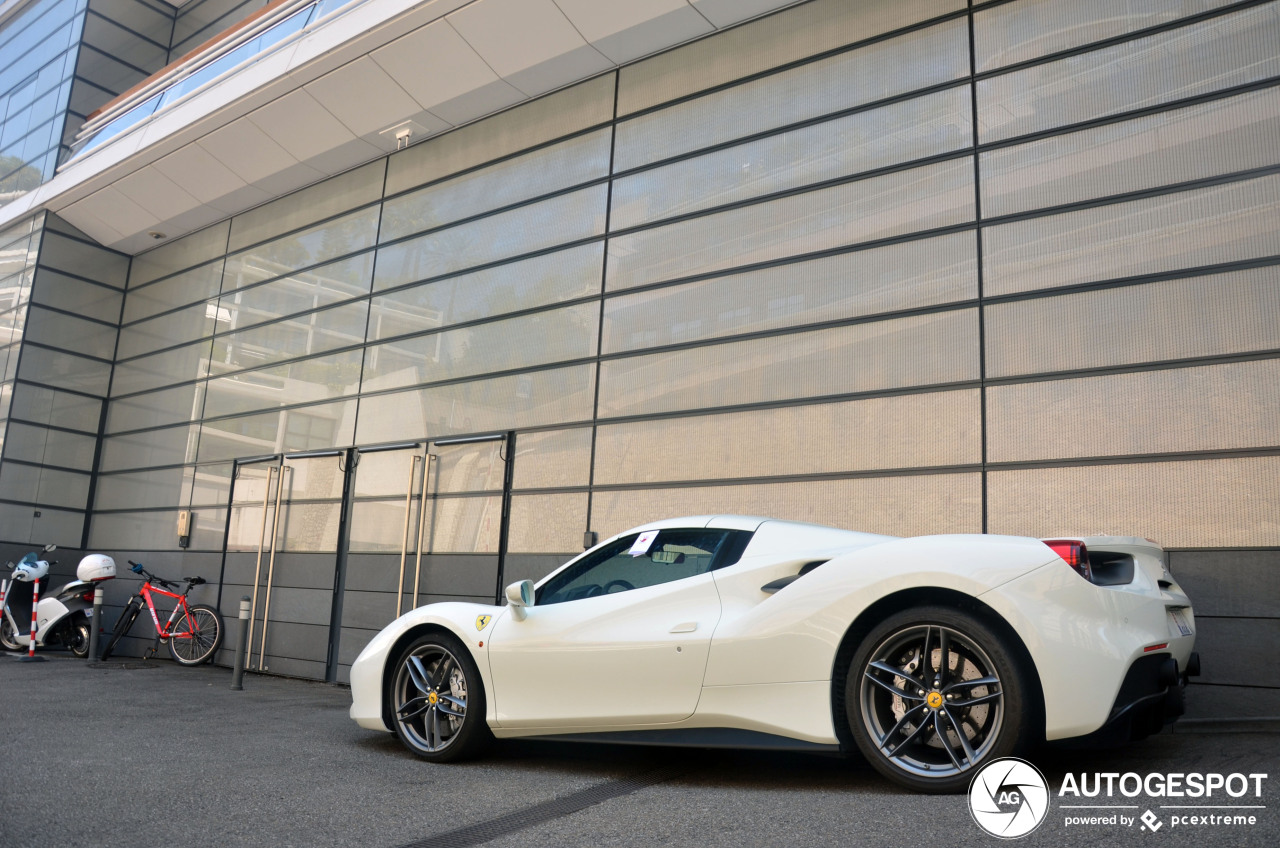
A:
8, 637
123, 623
437, 700
933, 693
196, 635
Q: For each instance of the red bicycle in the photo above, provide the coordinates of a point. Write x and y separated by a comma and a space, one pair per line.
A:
193, 631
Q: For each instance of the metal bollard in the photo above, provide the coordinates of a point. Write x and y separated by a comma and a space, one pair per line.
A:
237, 675
95, 625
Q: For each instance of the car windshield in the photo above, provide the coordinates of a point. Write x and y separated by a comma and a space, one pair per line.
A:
638, 560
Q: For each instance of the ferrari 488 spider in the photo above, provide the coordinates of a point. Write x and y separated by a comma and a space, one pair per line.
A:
930, 655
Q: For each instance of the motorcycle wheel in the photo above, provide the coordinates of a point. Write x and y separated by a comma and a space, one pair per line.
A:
77, 636
7, 635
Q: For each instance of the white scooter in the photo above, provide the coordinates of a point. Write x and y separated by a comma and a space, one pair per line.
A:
63, 615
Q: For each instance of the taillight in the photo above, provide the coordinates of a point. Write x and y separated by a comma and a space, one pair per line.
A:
1074, 553
88, 596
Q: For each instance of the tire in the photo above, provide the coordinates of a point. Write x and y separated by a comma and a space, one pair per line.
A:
205, 625
123, 623
436, 687
930, 732
7, 635
76, 636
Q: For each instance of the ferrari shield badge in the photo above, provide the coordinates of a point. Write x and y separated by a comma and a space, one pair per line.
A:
482, 621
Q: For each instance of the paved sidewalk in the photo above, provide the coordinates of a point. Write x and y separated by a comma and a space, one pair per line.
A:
127, 754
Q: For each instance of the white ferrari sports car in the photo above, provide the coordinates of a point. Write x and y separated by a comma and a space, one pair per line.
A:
929, 655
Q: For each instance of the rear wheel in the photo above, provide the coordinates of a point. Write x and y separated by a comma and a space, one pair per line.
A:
205, 627
932, 694
437, 700
77, 636
123, 623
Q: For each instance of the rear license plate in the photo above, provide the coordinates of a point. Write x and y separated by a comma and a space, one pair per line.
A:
1178, 619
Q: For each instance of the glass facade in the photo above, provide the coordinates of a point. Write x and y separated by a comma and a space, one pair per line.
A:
904, 266
890, 259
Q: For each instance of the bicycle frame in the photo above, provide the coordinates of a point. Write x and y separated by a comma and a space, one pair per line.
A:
163, 631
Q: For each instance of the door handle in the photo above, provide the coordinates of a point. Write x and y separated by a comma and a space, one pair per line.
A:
686, 627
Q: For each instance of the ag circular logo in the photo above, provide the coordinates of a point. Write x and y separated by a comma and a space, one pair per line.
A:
1008, 798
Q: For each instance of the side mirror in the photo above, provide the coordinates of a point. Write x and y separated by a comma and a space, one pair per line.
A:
519, 596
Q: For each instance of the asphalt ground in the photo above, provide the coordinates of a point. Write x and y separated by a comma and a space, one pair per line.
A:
134, 754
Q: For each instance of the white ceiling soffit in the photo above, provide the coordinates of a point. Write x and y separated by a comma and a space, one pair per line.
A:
321, 104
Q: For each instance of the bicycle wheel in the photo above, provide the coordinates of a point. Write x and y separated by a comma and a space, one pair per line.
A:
205, 626
123, 623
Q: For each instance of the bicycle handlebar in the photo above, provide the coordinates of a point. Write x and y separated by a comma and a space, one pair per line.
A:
137, 568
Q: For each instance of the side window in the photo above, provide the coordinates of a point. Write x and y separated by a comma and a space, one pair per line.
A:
672, 555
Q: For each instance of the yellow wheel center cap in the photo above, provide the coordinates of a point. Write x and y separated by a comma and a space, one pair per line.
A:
433, 698
934, 700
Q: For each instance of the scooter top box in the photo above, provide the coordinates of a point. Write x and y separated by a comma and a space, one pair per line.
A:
96, 567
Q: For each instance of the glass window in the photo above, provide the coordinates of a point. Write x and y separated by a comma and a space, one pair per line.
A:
1175, 319
45, 486
82, 260
464, 525
179, 254
1196, 59
156, 409
900, 505
920, 350
322, 378
64, 370
49, 406
194, 286
1187, 229
1217, 407
72, 334
474, 467
52, 447
512, 287
539, 398
577, 160
906, 275
883, 69
163, 487
348, 234
806, 30
907, 431
317, 427
1160, 500
569, 217
306, 335
630, 563
179, 365
551, 336
299, 292
898, 132
1016, 32
134, 531
547, 523
1204, 140
152, 448
890, 205
54, 289
334, 196
172, 328
553, 458
575, 108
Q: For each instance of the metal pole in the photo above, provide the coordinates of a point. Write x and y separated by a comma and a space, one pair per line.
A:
31, 644
404, 538
262, 543
271, 563
95, 626
237, 675
422, 524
